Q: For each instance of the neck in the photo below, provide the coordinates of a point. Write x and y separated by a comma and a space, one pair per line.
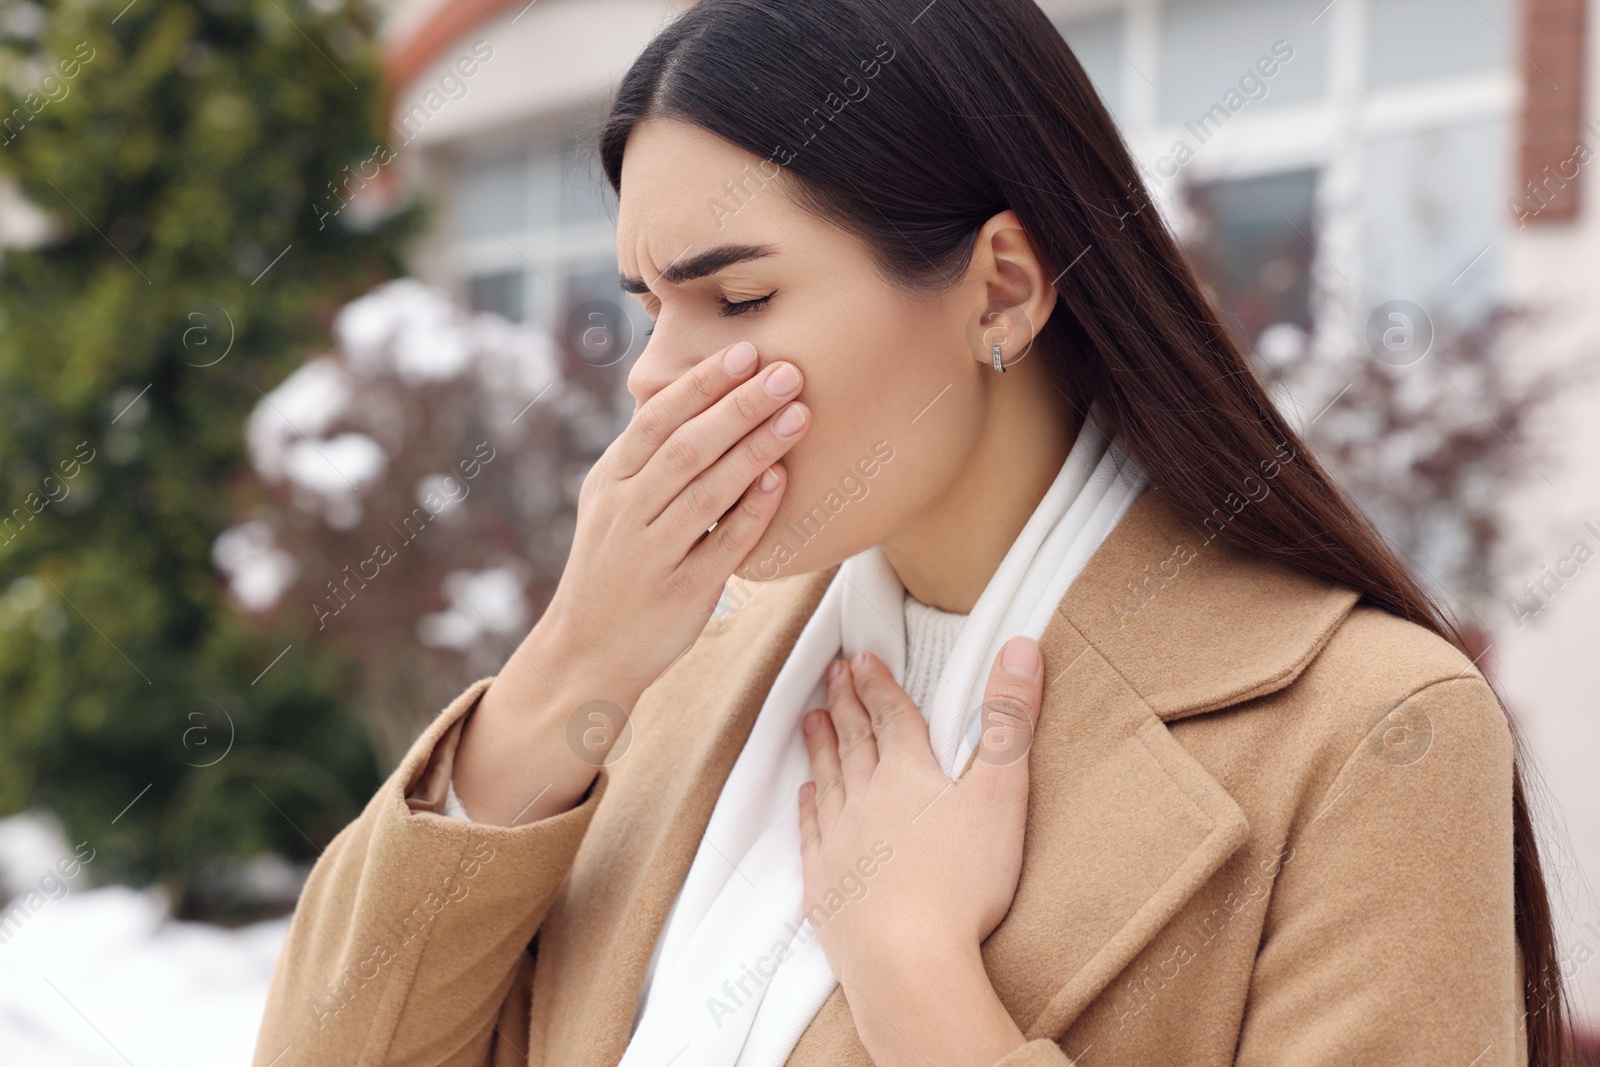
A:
946, 553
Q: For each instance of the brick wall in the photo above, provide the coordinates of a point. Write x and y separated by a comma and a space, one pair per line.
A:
1557, 144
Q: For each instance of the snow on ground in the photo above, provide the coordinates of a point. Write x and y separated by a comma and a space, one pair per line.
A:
103, 978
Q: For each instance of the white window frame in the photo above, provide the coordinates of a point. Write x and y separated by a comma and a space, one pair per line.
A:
1326, 135
544, 253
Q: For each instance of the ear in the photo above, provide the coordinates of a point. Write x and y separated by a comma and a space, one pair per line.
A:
1018, 292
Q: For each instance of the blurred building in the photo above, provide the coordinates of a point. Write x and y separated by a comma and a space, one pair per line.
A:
491, 102
1325, 157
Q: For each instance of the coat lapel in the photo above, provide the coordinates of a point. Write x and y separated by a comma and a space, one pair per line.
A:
1124, 825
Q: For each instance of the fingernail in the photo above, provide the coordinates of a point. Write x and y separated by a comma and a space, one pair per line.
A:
784, 380
769, 480
1020, 657
811, 722
740, 358
788, 424
860, 661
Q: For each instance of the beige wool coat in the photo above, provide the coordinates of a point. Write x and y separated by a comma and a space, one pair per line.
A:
1266, 826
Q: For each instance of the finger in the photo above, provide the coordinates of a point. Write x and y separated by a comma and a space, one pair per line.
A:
898, 725
719, 551
823, 748
704, 500
810, 833
1010, 714
658, 418
858, 748
703, 439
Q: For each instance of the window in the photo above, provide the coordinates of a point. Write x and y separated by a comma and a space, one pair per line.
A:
1097, 41
602, 326
499, 292
1431, 224
526, 219
1207, 46
1252, 245
1413, 40
585, 195
1401, 178
495, 191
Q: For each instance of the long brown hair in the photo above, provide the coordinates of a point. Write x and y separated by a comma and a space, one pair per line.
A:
910, 124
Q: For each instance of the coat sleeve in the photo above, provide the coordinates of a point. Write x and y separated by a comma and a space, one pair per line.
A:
1390, 934
411, 941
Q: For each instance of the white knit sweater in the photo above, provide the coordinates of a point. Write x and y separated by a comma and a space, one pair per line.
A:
930, 635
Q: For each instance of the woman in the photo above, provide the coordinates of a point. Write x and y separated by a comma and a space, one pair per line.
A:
1060, 710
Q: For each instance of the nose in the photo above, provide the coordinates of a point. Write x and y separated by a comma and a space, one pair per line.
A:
653, 371
668, 355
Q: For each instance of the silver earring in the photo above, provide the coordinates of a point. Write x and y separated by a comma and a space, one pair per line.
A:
994, 353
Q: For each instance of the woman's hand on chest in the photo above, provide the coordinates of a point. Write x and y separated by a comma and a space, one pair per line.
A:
907, 871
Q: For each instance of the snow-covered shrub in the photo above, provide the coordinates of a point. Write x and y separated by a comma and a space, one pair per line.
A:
414, 494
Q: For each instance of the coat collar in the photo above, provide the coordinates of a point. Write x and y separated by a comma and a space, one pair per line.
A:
1124, 825
1191, 622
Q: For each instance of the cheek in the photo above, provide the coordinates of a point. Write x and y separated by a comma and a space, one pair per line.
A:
868, 373
865, 384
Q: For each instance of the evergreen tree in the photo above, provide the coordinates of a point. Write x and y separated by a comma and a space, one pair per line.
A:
188, 155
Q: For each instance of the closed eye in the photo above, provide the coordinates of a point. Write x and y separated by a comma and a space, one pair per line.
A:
735, 307
740, 307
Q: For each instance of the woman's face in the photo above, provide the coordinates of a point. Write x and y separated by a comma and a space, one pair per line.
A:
892, 381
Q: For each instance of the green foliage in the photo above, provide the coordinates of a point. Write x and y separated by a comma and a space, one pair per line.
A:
181, 151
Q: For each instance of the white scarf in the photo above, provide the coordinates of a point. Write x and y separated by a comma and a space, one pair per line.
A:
745, 925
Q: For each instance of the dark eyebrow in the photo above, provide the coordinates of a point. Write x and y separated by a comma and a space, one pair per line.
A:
708, 262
